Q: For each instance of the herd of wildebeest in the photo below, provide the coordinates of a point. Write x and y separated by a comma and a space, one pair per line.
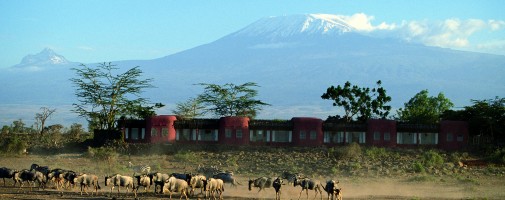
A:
209, 180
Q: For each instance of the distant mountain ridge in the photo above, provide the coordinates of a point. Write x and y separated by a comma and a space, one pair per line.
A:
45, 57
293, 59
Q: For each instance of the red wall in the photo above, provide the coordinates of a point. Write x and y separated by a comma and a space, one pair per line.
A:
307, 124
382, 126
159, 122
456, 129
234, 124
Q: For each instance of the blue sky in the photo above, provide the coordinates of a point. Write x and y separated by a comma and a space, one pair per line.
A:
112, 30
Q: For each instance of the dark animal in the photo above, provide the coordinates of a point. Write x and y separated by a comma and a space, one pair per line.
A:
338, 193
69, 177
227, 177
158, 179
44, 169
330, 188
30, 176
307, 185
207, 171
57, 177
290, 177
6, 173
261, 183
277, 186
186, 177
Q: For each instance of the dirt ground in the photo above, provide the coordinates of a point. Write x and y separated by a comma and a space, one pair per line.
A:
482, 187
365, 189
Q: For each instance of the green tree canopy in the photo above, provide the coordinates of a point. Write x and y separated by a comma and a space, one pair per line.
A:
485, 117
361, 103
189, 109
104, 96
424, 109
231, 100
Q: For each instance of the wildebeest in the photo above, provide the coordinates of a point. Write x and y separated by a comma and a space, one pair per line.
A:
212, 186
120, 181
227, 177
176, 185
338, 193
197, 181
308, 184
6, 173
290, 177
44, 169
186, 177
277, 186
29, 176
159, 179
69, 177
261, 183
57, 176
86, 180
330, 188
144, 181
207, 171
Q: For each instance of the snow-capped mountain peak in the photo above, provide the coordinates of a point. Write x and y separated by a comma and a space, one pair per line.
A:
308, 24
45, 57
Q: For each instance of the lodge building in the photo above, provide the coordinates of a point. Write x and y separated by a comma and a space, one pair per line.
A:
299, 131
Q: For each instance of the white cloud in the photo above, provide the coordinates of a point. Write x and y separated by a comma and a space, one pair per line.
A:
450, 33
464, 34
496, 25
363, 22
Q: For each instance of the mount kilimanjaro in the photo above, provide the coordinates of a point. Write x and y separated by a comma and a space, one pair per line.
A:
294, 59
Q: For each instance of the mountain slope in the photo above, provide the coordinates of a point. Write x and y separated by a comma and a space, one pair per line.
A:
294, 59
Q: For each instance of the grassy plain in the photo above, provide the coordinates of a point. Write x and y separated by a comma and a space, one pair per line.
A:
363, 172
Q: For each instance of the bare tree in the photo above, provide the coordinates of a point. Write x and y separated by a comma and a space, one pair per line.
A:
40, 118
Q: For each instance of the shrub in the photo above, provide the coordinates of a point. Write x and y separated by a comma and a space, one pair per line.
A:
14, 144
432, 159
498, 156
418, 167
352, 151
375, 153
102, 153
185, 156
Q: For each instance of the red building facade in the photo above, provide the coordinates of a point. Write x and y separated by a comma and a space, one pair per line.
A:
299, 131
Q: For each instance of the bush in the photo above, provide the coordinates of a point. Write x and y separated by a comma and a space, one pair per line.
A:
352, 151
418, 167
14, 144
375, 153
498, 156
102, 153
432, 159
185, 156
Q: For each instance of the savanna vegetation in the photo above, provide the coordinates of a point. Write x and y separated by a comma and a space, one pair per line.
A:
106, 96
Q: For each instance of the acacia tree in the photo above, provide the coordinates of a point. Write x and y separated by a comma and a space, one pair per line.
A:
40, 118
105, 96
361, 103
425, 109
189, 109
231, 100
